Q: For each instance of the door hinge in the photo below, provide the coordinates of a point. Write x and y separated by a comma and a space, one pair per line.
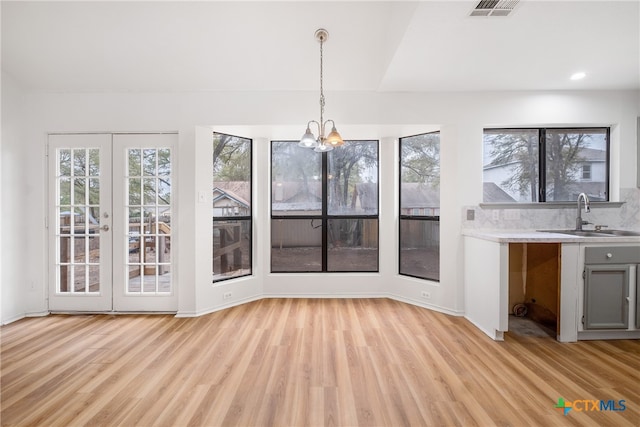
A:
582, 320
584, 274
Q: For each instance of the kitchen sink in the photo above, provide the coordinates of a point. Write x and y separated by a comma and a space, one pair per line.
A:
595, 233
619, 232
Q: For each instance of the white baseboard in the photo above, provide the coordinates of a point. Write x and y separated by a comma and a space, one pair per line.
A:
421, 303
218, 307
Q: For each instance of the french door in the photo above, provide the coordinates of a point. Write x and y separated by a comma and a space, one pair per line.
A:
110, 222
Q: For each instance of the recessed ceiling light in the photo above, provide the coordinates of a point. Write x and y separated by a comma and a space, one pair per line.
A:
578, 76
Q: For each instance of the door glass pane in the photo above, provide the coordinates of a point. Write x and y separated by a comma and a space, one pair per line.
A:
296, 245
353, 179
77, 244
79, 191
296, 180
94, 278
353, 245
94, 162
64, 190
164, 162
79, 278
149, 161
79, 161
576, 162
164, 191
135, 162
149, 221
149, 191
64, 162
134, 191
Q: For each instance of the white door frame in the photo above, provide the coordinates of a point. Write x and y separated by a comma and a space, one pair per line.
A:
117, 288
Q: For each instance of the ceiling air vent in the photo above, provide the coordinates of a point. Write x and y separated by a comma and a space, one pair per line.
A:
494, 8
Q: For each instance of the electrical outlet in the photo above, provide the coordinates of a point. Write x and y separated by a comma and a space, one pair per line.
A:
426, 295
226, 295
471, 214
496, 215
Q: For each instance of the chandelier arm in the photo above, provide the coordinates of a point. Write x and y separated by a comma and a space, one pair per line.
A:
317, 124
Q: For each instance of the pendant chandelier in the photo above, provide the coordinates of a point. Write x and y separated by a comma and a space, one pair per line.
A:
322, 143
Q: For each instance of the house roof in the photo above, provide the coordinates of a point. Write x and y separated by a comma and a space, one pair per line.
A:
240, 190
494, 194
230, 195
418, 195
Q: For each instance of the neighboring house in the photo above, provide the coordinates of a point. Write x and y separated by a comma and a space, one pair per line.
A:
296, 197
494, 194
590, 178
231, 199
419, 199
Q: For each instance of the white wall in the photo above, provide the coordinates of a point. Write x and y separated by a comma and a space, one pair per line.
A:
15, 184
266, 115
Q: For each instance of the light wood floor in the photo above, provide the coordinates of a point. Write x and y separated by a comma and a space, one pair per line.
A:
297, 362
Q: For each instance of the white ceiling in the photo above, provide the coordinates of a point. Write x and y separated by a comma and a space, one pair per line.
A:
373, 46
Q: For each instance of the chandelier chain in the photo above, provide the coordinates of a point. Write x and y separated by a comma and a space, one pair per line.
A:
321, 87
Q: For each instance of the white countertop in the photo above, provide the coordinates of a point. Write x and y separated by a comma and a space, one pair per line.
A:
533, 236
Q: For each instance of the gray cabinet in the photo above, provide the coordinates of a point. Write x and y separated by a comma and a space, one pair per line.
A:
606, 302
607, 287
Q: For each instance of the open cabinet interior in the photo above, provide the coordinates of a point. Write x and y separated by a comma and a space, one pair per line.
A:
534, 288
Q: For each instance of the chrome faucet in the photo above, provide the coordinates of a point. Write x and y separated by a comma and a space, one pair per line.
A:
587, 209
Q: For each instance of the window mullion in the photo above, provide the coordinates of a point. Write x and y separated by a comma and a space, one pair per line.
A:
325, 210
542, 165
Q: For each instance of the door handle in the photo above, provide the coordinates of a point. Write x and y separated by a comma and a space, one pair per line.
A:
104, 228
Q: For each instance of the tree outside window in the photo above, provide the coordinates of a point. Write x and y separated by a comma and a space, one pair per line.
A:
419, 237
231, 207
324, 208
545, 164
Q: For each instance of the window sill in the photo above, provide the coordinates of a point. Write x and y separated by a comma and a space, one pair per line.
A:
548, 205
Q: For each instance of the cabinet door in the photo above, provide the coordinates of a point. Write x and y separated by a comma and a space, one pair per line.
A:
606, 304
638, 292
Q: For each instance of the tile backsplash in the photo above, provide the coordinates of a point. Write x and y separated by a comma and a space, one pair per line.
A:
625, 217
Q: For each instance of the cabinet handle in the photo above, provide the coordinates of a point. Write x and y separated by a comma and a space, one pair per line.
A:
609, 255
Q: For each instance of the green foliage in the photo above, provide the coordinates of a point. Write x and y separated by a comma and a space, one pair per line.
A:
231, 158
420, 159
348, 166
519, 151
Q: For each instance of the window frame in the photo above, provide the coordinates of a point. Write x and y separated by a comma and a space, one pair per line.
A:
248, 218
411, 217
324, 217
542, 161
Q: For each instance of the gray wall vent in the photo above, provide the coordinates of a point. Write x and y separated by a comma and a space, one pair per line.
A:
494, 8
